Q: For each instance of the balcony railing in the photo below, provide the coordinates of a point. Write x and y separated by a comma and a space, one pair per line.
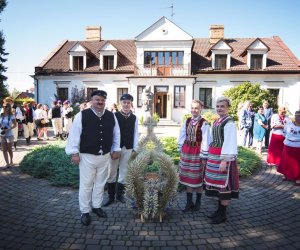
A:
162, 70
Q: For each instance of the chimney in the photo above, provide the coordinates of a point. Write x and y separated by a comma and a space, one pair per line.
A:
216, 33
93, 33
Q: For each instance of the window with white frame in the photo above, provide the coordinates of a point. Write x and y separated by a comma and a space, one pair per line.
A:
205, 95
220, 61
256, 62
179, 96
62, 93
139, 95
108, 62
120, 92
77, 63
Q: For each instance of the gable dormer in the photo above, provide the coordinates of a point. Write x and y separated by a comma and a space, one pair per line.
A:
108, 57
163, 49
220, 55
256, 55
78, 55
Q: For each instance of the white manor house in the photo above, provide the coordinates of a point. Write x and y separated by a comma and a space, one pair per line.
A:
174, 65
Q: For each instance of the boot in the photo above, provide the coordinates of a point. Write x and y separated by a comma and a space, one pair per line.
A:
27, 141
111, 190
215, 214
120, 192
15, 145
221, 217
197, 203
61, 137
189, 202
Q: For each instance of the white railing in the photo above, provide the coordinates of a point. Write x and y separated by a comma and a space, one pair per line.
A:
162, 70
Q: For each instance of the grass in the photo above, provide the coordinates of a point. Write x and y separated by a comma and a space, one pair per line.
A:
52, 163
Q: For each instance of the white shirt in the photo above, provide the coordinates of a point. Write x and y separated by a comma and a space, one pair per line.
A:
292, 135
275, 121
73, 141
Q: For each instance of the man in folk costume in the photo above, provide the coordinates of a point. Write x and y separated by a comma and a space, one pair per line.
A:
55, 115
28, 121
221, 173
193, 145
94, 139
128, 123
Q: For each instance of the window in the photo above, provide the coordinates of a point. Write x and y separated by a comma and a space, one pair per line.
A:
139, 95
220, 61
163, 58
256, 62
108, 62
274, 93
77, 63
179, 97
205, 95
62, 93
120, 92
89, 92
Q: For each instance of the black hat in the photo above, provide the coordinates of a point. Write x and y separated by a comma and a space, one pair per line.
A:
99, 93
126, 97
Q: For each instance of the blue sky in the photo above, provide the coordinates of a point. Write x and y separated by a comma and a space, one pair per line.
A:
33, 28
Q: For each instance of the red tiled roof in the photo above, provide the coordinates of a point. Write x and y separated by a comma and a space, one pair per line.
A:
279, 57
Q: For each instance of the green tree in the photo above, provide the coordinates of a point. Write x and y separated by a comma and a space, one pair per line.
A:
15, 93
248, 91
3, 88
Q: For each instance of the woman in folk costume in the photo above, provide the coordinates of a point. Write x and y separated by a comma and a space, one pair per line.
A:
290, 161
221, 174
193, 144
276, 143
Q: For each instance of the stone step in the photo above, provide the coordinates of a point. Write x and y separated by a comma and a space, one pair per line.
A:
167, 122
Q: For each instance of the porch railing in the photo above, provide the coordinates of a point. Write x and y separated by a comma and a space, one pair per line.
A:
162, 70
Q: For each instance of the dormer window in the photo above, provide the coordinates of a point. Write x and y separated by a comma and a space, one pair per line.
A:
256, 62
108, 57
220, 61
256, 55
78, 57
220, 55
77, 63
108, 62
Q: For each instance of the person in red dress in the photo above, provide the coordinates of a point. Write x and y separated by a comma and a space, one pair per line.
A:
276, 143
193, 146
290, 160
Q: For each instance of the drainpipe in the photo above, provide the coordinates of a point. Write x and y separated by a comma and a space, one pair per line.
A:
37, 89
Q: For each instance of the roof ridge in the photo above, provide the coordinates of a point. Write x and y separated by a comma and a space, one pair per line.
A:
287, 50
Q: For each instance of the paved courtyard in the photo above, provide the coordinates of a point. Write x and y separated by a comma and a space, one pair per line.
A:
36, 215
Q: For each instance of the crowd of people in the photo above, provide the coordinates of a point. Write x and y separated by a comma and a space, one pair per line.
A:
101, 142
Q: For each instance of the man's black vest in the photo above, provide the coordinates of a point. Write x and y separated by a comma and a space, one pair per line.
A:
97, 133
56, 113
127, 126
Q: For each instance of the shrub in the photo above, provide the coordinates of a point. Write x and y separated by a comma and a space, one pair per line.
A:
171, 148
248, 91
51, 162
248, 161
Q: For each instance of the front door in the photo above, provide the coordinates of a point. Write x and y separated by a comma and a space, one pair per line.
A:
160, 106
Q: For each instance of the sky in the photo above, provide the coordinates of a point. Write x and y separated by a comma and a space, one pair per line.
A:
33, 28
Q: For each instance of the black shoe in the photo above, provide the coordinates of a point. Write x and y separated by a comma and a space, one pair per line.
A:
220, 218
109, 201
189, 203
121, 198
99, 212
85, 219
213, 215
196, 207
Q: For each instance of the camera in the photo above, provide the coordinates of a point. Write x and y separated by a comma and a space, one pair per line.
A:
3, 130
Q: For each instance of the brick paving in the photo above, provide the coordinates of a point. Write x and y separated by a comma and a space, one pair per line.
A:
36, 215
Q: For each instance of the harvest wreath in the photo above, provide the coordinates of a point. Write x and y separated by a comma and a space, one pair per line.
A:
152, 179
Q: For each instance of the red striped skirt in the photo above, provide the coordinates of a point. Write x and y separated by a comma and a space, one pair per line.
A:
290, 163
190, 168
225, 184
275, 149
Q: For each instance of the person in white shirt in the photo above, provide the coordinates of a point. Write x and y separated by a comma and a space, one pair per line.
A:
128, 124
289, 165
94, 138
68, 117
193, 143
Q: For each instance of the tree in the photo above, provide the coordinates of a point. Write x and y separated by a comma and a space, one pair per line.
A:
248, 91
15, 93
3, 88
